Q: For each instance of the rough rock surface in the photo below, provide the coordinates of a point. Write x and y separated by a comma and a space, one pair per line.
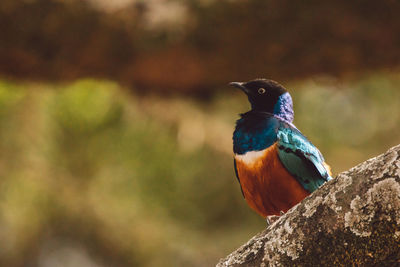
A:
353, 220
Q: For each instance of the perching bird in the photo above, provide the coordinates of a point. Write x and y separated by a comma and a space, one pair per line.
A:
276, 165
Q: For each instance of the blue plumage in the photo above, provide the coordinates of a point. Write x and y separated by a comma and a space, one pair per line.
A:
254, 132
284, 107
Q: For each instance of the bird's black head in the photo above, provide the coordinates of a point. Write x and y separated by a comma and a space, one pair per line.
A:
263, 94
267, 96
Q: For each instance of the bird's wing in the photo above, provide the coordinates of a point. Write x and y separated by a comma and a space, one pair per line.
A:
237, 176
301, 158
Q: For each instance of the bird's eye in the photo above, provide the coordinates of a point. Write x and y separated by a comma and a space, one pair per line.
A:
261, 91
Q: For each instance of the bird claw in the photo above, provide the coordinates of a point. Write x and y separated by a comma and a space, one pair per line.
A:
271, 219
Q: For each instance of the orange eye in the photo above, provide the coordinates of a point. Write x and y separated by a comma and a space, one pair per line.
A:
261, 91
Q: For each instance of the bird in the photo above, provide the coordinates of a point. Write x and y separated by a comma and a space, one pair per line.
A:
275, 164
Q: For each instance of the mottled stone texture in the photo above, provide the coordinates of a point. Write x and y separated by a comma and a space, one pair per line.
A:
353, 220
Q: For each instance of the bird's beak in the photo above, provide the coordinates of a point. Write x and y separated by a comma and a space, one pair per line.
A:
240, 86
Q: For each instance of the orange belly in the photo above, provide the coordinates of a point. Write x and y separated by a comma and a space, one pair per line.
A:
267, 186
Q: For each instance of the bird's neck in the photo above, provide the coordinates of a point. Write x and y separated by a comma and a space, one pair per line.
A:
284, 108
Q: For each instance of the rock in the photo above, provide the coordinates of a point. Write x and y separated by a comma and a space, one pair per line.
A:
353, 220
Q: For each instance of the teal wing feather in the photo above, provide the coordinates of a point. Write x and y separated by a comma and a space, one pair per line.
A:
301, 158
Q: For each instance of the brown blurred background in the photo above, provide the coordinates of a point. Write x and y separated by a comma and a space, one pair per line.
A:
194, 46
116, 121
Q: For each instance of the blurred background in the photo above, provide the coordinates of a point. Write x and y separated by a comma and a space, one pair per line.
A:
116, 118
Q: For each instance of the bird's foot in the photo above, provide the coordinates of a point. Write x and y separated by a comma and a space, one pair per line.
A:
271, 219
